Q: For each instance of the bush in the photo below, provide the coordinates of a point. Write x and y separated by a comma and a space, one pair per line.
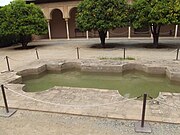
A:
8, 40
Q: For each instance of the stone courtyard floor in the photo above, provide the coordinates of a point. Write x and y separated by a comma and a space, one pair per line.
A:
40, 122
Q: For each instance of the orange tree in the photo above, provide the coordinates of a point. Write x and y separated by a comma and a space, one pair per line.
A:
102, 15
22, 20
155, 13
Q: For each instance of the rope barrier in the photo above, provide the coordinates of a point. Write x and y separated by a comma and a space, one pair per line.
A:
159, 101
177, 107
173, 51
2, 59
66, 105
94, 34
118, 34
110, 33
168, 32
18, 59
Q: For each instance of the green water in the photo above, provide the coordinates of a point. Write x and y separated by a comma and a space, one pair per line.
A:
131, 84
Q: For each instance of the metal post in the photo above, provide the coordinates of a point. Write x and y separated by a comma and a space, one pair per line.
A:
141, 126
124, 53
7, 61
143, 110
77, 52
177, 56
37, 53
4, 97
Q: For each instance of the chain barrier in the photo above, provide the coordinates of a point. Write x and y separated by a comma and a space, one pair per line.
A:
66, 105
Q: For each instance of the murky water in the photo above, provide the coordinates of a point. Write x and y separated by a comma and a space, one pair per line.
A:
129, 84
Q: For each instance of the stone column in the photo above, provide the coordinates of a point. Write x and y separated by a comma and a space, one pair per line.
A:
49, 29
176, 32
67, 28
107, 34
151, 31
129, 32
87, 34
151, 35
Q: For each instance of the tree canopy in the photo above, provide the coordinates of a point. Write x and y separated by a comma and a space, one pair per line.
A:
22, 20
174, 11
155, 13
102, 15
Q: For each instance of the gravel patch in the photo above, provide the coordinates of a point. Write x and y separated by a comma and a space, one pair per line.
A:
40, 123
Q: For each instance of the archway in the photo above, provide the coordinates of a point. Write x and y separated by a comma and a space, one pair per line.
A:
74, 32
57, 24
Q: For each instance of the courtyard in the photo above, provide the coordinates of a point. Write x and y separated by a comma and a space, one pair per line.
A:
94, 119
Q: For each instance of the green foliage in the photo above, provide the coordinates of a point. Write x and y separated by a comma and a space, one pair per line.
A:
22, 20
156, 12
8, 40
102, 15
174, 11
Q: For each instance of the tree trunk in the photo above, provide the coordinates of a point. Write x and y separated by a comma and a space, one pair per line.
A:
155, 30
155, 40
102, 35
24, 45
24, 40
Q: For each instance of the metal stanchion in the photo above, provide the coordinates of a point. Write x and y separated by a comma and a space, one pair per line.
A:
141, 126
77, 52
37, 55
124, 53
8, 112
5, 100
177, 56
8, 65
143, 110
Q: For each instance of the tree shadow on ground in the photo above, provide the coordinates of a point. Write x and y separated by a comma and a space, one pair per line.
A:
133, 45
29, 47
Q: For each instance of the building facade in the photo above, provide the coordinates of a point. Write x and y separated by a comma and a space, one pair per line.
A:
61, 16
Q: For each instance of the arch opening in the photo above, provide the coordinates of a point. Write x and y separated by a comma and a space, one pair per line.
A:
73, 30
57, 24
